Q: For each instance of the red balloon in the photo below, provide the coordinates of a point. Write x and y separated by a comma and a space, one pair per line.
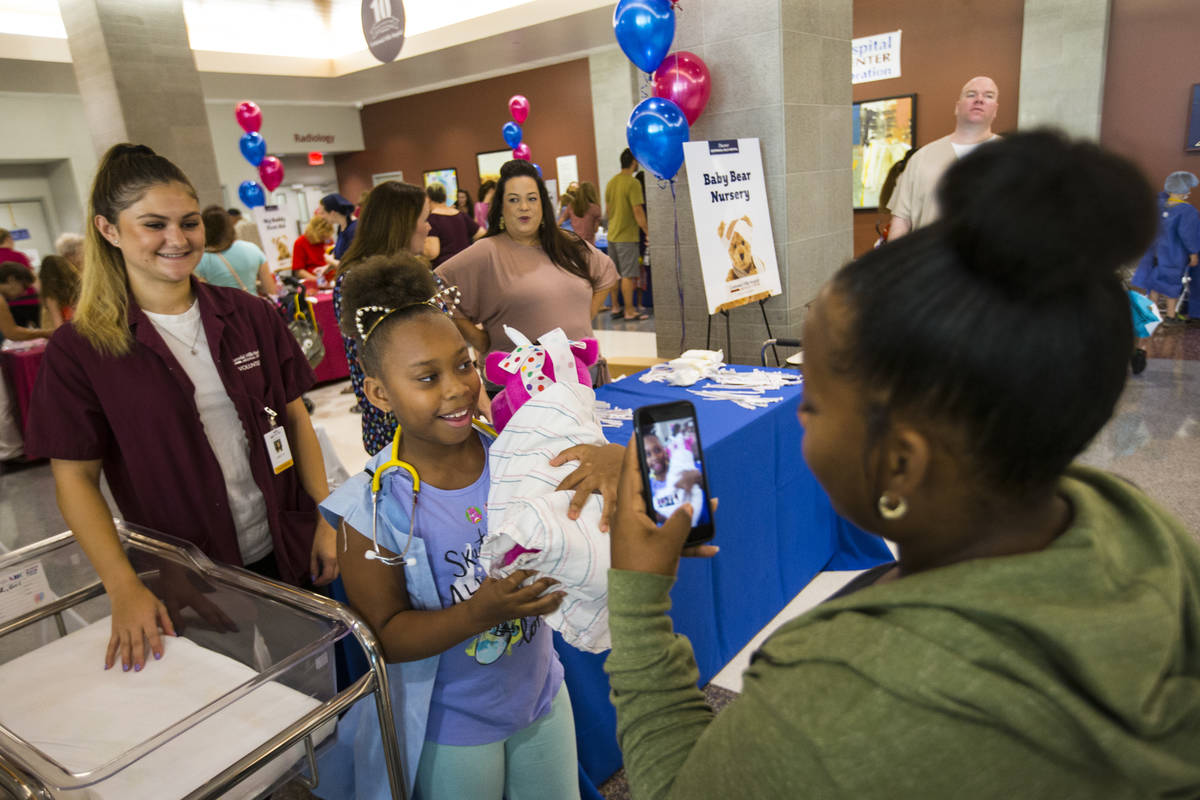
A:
248, 115
683, 79
521, 151
271, 172
518, 106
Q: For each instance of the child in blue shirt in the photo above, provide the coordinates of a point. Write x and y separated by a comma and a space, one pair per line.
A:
481, 708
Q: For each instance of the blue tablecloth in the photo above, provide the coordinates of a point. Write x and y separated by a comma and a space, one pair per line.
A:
776, 530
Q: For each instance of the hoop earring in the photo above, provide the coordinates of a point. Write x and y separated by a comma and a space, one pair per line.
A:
892, 510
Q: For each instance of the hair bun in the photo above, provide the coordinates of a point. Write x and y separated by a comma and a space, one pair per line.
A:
1038, 214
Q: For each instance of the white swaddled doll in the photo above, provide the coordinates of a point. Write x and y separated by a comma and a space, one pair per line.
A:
552, 407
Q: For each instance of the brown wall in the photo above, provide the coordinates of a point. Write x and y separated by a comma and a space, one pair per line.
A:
447, 127
945, 44
1153, 60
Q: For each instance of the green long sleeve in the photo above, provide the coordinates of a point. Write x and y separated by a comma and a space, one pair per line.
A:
652, 671
1072, 673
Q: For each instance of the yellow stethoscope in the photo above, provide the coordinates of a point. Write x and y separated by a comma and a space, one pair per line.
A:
395, 462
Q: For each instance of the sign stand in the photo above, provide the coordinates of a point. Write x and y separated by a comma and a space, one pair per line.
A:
724, 312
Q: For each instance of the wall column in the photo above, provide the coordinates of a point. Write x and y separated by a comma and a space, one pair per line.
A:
781, 73
614, 94
138, 81
1064, 50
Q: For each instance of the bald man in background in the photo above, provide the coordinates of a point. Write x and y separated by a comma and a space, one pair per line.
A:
914, 203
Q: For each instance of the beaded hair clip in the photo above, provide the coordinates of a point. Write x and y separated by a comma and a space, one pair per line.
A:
445, 300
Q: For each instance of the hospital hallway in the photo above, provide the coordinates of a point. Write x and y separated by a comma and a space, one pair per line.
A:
1153, 440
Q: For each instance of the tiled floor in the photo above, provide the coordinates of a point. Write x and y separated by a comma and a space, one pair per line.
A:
1153, 440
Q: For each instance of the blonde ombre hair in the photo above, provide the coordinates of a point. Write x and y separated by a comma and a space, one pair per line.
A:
318, 230
126, 172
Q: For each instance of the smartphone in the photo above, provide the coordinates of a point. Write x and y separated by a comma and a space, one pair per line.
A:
672, 462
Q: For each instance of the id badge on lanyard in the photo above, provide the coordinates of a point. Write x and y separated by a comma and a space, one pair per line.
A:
278, 449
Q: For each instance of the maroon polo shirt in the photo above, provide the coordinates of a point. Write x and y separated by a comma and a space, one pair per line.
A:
137, 414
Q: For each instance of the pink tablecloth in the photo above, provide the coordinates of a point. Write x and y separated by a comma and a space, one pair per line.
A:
22, 366
334, 366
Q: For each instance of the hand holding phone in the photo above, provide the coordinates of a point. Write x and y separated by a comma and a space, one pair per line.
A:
638, 544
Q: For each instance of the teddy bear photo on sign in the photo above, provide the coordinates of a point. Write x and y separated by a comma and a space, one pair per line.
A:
282, 247
738, 236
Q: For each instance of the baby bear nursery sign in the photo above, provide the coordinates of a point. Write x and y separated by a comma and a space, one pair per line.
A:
733, 223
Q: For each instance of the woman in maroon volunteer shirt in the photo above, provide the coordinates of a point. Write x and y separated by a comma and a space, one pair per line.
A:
179, 392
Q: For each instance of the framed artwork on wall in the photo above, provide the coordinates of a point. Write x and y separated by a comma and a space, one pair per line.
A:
489, 164
1192, 145
447, 177
884, 131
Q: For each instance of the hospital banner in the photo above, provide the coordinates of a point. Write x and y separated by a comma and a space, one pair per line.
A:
733, 222
277, 231
875, 58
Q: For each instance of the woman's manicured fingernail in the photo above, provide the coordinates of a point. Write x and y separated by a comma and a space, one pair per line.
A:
157, 656
137, 667
107, 666
125, 668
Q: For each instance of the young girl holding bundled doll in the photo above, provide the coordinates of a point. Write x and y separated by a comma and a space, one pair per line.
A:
481, 708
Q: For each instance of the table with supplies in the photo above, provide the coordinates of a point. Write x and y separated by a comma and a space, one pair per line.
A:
776, 531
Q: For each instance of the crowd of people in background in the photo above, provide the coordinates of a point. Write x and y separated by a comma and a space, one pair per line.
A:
1019, 574
234, 255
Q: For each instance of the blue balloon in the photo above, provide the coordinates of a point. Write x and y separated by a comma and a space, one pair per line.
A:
644, 29
251, 194
656, 132
253, 147
512, 134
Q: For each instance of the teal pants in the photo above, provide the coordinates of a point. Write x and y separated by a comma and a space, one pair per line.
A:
537, 763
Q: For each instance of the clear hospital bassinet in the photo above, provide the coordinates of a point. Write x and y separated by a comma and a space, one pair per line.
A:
235, 708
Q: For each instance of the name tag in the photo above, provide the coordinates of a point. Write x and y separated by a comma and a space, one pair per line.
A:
278, 450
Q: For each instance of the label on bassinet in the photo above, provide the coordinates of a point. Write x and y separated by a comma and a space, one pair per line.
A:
22, 589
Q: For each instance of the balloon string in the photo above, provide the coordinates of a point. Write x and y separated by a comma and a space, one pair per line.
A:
678, 268
644, 89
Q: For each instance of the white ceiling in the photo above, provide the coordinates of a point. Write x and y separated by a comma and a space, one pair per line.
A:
446, 42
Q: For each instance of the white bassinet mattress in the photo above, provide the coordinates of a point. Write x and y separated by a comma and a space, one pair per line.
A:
60, 699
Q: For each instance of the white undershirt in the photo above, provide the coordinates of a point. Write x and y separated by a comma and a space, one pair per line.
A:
222, 426
961, 150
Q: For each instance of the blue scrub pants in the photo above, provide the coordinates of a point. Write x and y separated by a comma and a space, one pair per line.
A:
537, 763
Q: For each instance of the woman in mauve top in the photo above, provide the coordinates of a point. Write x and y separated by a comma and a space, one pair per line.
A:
526, 272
